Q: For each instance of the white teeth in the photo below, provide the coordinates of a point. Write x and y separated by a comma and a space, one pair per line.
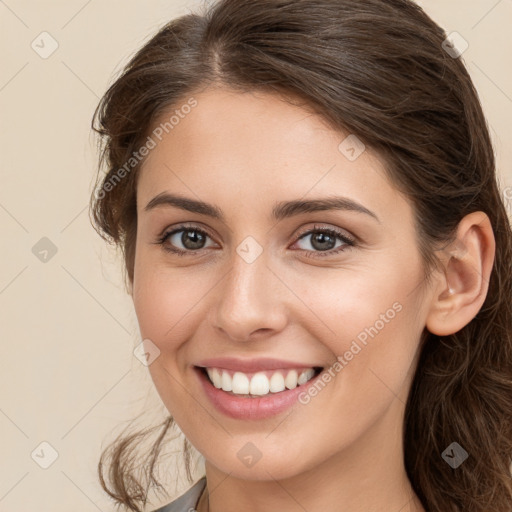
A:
226, 382
305, 376
277, 383
291, 380
215, 377
259, 384
240, 383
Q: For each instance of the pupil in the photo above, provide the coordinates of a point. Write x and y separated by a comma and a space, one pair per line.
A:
320, 239
196, 238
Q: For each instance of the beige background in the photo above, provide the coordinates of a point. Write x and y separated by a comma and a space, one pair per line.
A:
68, 375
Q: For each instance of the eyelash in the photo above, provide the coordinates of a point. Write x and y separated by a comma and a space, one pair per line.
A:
350, 242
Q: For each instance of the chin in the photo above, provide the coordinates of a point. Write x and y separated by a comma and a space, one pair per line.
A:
270, 469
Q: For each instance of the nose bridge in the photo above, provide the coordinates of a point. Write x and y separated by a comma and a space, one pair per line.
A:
248, 298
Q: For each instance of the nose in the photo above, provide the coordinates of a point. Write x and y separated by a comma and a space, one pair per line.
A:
250, 301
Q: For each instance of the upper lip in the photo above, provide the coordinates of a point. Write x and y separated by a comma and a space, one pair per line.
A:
252, 365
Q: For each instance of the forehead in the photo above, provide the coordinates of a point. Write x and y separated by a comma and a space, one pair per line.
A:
246, 148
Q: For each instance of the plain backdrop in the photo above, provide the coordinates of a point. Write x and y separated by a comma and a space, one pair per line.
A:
69, 379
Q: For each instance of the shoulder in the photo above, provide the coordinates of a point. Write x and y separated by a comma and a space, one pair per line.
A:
186, 501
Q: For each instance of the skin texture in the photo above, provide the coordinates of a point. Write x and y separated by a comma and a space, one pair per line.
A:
343, 449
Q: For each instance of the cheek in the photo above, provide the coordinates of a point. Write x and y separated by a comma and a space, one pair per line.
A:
376, 358
164, 301
355, 303
374, 322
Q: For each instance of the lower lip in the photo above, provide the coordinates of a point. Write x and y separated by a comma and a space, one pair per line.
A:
245, 408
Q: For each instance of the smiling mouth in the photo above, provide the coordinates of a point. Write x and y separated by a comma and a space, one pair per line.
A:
258, 384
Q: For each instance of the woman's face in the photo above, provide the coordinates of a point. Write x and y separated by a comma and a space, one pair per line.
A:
263, 289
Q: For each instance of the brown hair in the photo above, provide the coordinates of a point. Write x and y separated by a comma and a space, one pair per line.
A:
376, 69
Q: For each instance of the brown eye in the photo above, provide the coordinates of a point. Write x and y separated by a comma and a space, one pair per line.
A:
322, 242
190, 238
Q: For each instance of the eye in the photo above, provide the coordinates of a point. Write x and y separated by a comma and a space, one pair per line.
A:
191, 238
322, 242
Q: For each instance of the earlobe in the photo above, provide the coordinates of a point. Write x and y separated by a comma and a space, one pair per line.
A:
462, 288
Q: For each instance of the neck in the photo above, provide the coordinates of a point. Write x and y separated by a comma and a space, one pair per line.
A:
367, 476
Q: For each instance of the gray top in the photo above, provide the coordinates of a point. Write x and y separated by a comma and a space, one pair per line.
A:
186, 502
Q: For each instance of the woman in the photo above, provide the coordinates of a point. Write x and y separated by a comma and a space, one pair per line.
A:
319, 258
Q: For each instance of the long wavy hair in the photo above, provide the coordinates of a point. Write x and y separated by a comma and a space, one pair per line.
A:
377, 69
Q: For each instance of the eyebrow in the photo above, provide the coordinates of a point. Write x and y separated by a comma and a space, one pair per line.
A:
280, 211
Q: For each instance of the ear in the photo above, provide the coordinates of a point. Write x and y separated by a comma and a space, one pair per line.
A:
461, 291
